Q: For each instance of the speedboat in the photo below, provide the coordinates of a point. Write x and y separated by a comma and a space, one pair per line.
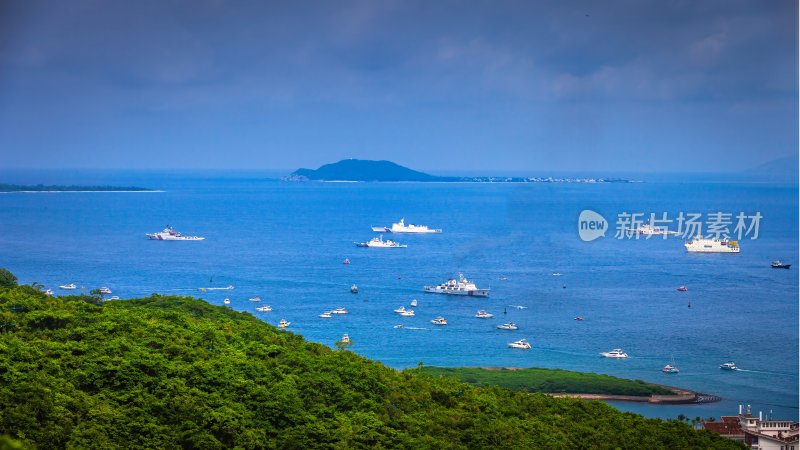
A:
345, 338
168, 234
284, 323
414, 302
265, 308
518, 306
255, 299
400, 310
401, 227
408, 313
346, 261
399, 326
508, 326
68, 287
481, 314
682, 289
522, 343
780, 265
227, 301
338, 311
226, 288
105, 290
354, 289
48, 292
326, 315
439, 321
378, 242
669, 368
115, 297
616, 353
556, 274
728, 366
462, 286
579, 318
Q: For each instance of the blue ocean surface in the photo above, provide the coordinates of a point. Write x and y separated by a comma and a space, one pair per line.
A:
285, 242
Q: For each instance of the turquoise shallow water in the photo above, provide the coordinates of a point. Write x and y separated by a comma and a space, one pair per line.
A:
285, 242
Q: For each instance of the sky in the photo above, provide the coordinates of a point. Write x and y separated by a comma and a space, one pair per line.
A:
523, 86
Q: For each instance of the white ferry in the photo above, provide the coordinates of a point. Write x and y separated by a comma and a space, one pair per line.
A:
168, 234
401, 227
378, 242
462, 286
522, 343
616, 353
702, 245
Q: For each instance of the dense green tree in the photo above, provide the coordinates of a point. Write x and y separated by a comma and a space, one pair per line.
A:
7, 279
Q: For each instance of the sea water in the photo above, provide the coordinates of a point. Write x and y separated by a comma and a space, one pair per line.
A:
285, 242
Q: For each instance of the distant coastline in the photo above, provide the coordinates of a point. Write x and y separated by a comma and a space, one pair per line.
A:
354, 170
18, 188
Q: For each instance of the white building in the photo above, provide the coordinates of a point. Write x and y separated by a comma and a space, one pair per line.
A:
757, 433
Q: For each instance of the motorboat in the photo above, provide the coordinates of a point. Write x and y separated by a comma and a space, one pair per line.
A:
414, 302
284, 323
517, 306
400, 310
345, 338
105, 290
401, 227
68, 287
255, 299
339, 310
522, 343
346, 261
354, 289
439, 321
616, 353
326, 315
780, 265
728, 366
702, 245
227, 301
508, 326
265, 308
481, 314
407, 313
48, 292
168, 234
115, 297
399, 326
378, 242
669, 368
682, 289
461, 286
556, 274
580, 319
226, 288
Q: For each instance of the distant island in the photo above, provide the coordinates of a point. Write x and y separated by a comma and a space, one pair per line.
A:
58, 188
368, 170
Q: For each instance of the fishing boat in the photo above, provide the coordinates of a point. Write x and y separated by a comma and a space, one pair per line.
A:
481, 314
354, 289
508, 326
522, 343
780, 265
616, 353
68, 287
439, 321
265, 308
728, 366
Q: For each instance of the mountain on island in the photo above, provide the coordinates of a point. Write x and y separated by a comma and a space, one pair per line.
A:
362, 170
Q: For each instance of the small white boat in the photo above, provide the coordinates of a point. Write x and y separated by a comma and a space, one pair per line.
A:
227, 301
354, 289
326, 315
508, 326
48, 292
400, 310
522, 343
399, 326
518, 306
408, 313
255, 299
284, 323
669, 368
346, 338
105, 290
439, 321
556, 274
414, 302
115, 297
265, 308
481, 314
338, 311
68, 287
728, 366
616, 353
378, 242
226, 288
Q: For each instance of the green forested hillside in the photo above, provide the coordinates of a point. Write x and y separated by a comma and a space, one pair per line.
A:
171, 372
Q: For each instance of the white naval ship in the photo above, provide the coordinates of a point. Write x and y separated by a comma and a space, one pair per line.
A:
462, 286
401, 227
702, 245
168, 234
378, 242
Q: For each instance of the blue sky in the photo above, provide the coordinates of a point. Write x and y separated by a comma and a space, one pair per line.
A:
475, 86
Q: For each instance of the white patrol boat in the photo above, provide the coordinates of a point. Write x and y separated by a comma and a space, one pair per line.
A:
462, 286
378, 242
401, 227
702, 245
168, 234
